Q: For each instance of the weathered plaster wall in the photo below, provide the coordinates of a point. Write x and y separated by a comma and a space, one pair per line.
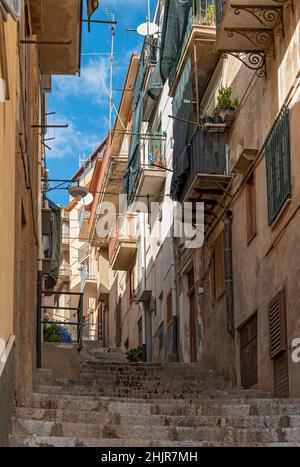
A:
259, 273
7, 183
25, 212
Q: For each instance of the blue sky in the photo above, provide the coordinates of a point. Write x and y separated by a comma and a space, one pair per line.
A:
82, 102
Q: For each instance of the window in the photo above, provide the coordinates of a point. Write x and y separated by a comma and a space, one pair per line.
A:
131, 282
156, 147
169, 309
251, 208
161, 341
4, 87
159, 310
278, 165
140, 331
218, 269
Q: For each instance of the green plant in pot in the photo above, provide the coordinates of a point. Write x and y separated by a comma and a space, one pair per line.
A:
51, 333
226, 104
205, 117
211, 15
135, 355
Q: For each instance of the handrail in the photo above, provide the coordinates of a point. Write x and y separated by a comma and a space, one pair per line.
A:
41, 321
6, 353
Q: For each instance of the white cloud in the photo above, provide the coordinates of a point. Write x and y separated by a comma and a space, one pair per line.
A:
71, 142
90, 84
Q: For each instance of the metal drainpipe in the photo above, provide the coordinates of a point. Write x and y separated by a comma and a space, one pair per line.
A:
175, 355
39, 282
143, 263
229, 272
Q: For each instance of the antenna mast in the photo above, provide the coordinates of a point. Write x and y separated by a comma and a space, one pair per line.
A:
111, 103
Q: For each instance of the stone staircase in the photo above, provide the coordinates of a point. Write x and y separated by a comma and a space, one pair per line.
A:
116, 403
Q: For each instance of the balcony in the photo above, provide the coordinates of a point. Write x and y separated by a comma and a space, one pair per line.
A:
150, 54
84, 218
103, 284
200, 175
88, 276
83, 252
247, 29
56, 21
152, 173
65, 241
198, 45
123, 242
65, 272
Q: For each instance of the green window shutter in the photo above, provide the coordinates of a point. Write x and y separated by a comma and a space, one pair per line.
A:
278, 165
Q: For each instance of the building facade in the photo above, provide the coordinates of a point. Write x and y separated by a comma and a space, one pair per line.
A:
214, 121
34, 44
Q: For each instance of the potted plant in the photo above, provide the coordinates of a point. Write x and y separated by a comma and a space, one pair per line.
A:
210, 17
205, 118
135, 355
226, 104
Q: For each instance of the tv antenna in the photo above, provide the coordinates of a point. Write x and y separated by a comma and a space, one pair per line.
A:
111, 59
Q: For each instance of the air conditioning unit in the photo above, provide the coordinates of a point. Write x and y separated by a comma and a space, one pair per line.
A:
14, 7
244, 161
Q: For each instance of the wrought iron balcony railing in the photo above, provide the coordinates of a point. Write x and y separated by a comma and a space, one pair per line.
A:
88, 273
83, 252
220, 8
125, 231
84, 215
202, 13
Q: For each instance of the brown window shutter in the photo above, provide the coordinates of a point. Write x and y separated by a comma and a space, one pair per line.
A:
277, 323
169, 309
212, 278
281, 376
248, 352
251, 208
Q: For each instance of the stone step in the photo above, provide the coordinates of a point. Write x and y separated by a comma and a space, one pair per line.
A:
138, 391
170, 433
128, 406
45, 441
100, 418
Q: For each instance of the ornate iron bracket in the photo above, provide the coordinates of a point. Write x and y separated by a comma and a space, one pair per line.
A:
267, 16
262, 39
255, 61
288, 5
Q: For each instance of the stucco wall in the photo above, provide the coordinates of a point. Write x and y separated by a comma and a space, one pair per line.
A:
259, 270
7, 184
26, 218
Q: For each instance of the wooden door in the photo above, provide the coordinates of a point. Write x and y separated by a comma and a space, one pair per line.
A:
118, 324
193, 331
248, 352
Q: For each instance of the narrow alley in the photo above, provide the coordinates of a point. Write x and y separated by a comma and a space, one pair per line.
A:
150, 293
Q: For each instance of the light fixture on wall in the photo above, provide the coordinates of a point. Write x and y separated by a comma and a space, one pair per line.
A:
78, 192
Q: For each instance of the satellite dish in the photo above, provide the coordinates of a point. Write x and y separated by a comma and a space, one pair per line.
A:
78, 192
87, 200
147, 29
